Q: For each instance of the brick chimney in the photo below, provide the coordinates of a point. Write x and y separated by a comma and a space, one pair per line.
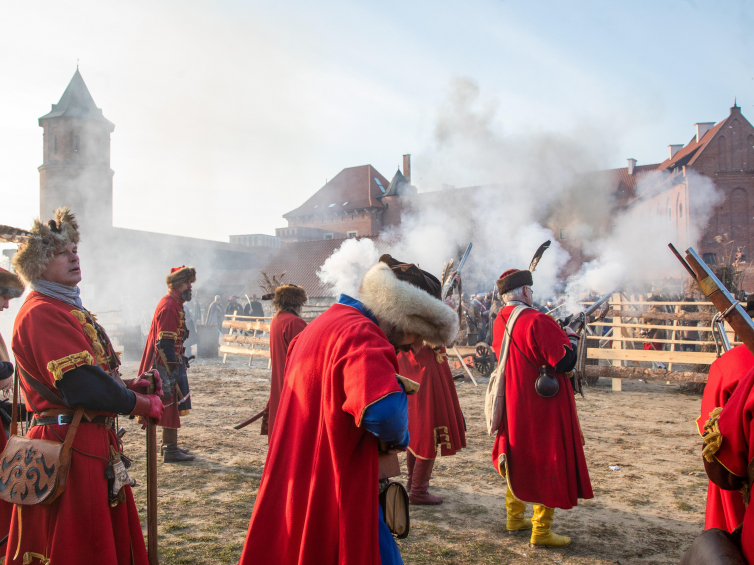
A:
702, 128
407, 167
631, 166
736, 109
674, 149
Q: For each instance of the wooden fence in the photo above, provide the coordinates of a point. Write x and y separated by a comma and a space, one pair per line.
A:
245, 341
620, 342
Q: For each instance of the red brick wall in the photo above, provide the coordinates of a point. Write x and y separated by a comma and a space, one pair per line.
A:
364, 222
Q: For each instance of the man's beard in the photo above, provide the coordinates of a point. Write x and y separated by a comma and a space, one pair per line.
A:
186, 295
395, 337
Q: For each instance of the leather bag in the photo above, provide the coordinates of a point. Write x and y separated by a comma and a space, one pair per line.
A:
546, 385
35, 471
715, 547
394, 503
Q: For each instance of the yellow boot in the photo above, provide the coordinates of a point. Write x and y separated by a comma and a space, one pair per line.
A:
541, 533
515, 513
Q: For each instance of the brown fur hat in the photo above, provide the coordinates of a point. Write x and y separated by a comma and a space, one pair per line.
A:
180, 275
289, 297
10, 284
34, 255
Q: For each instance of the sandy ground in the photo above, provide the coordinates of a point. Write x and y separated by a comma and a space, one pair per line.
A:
648, 511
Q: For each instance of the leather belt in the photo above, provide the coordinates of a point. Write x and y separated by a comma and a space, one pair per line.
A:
65, 419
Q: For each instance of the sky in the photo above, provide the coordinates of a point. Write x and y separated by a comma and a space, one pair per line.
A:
228, 114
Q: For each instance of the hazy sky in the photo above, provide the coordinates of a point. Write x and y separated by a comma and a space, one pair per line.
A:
228, 114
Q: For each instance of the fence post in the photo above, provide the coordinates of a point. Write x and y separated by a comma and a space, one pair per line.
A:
232, 319
617, 343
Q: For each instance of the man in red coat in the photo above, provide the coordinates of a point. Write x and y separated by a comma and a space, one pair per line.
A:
288, 299
62, 350
318, 497
164, 351
11, 286
538, 447
435, 420
729, 452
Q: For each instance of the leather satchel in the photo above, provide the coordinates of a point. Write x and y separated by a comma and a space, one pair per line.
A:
35, 471
394, 502
715, 547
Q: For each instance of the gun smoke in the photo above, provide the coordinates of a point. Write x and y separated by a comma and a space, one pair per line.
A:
522, 191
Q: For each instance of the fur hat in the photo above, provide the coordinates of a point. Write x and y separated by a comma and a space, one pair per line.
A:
513, 279
36, 252
180, 275
289, 297
388, 291
10, 284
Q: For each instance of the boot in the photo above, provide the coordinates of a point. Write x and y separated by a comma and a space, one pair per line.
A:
172, 454
541, 533
420, 483
515, 513
166, 439
410, 462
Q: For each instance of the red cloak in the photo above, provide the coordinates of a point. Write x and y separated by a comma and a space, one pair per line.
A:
168, 322
725, 508
318, 497
540, 437
434, 413
737, 449
283, 328
51, 337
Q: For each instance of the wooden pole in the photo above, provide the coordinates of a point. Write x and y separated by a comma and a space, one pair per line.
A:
152, 553
455, 349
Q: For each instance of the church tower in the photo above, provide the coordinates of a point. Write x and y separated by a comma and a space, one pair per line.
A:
76, 159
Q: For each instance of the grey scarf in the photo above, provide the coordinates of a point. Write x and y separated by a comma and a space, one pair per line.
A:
62, 292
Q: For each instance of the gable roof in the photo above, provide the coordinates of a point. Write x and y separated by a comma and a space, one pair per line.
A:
692, 150
77, 102
620, 183
398, 186
351, 189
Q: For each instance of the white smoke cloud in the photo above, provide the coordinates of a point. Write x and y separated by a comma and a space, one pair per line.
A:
345, 268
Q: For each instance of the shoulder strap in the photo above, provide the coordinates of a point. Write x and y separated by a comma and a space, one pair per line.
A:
40, 388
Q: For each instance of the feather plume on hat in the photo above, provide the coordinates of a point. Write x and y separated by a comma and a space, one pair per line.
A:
36, 247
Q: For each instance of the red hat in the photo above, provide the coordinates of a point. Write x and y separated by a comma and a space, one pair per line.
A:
513, 279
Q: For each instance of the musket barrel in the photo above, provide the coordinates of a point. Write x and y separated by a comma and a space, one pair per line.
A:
723, 300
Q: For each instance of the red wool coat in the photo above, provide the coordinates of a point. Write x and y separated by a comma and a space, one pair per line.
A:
283, 328
434, 414
318, 497
540, 437
725, 508
737, 448
168, 322
51, 337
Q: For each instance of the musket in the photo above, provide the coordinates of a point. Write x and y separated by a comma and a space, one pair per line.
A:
730, 309
249, 421
579, 324
452, 285
152, 554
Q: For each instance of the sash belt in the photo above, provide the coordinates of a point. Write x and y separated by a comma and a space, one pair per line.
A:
65, 419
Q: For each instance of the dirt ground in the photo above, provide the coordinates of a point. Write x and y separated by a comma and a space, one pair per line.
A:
648, 511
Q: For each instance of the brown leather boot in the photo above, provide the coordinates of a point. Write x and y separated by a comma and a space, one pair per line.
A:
420, 483
170, 450
410, 462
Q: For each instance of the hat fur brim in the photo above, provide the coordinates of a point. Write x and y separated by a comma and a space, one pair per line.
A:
184, 275
408, 308
10, 284
289, 296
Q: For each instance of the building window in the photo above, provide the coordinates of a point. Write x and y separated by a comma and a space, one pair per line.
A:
680, 210
55, 144
563, 234
328, 236
352, 233
77, 144
709, 258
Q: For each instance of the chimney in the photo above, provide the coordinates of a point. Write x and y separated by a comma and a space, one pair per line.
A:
736, 109
407, 167
674, 149
702, 128
631, 166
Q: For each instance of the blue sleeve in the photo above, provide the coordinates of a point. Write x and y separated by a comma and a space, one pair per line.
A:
388, 419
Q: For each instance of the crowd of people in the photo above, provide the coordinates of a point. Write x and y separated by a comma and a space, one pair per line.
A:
365, 380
